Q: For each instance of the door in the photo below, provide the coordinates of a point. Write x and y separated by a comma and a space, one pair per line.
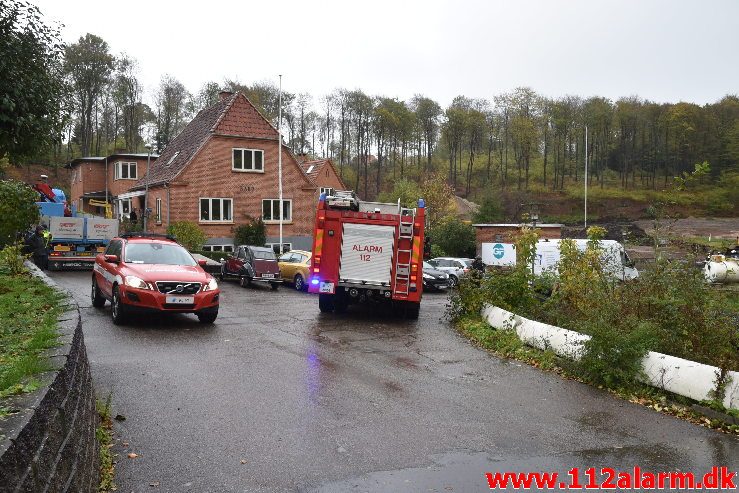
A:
367, 253
108, 271
236, 261
287, 266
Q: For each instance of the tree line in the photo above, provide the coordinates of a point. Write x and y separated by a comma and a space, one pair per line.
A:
515, 140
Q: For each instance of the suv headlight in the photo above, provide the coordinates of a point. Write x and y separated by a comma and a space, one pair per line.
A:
212, 285
136, 282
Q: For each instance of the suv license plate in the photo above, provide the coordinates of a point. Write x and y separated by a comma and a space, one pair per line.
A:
326, 287
180, 300
268, 276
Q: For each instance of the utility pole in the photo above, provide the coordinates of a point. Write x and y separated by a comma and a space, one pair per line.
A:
145, 212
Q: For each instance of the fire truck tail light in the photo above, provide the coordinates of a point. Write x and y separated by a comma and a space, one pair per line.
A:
316, 270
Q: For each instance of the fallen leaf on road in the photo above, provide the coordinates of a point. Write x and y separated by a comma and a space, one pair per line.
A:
119, 417
243, 461
132, 455
154, 484
125, 444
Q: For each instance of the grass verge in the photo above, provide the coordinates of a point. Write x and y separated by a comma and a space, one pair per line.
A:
29, 310
104, 434
506, 344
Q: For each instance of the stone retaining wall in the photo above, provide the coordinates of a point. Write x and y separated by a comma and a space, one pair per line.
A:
50, 444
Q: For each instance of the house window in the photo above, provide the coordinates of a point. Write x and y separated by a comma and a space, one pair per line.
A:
158, 216
218, 248
125, 171
327, 190
271, 210
216, 210
248, 160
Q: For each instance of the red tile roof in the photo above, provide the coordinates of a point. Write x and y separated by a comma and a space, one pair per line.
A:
216, 119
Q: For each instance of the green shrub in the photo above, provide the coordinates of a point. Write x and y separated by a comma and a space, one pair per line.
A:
253, 232
18, 210
454, 237
188, 234
11, 259
217, 256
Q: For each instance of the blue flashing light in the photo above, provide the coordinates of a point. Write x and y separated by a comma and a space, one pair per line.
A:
421, 203
322, 197
314, 281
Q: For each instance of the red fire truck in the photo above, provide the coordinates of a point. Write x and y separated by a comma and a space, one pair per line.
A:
367, 251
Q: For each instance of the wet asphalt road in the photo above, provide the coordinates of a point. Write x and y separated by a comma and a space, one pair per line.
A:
353, 402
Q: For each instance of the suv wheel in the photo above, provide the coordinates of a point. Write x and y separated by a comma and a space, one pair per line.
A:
453, 280
299, 282
97, 297
117, 308
207, 317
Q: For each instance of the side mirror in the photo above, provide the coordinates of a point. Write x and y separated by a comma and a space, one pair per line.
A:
202, 262
111, 259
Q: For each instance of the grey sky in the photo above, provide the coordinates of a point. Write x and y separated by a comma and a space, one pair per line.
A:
660, 50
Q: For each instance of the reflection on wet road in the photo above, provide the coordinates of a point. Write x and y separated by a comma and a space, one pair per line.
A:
279, 397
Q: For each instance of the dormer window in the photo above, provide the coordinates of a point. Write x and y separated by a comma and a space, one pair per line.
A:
250, 160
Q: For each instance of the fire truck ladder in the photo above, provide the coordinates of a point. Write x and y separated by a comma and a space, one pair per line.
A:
403, 269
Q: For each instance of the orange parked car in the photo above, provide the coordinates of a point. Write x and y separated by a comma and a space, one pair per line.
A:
295, 268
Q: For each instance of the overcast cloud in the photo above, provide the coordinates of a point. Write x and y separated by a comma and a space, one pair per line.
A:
665, 51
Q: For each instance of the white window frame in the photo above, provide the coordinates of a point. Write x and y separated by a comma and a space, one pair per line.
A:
129, 165
325, 190
210, 210
243, 151
158, 216
218, 248
288, 219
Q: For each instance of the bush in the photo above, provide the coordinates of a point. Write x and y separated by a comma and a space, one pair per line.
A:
18, 210
217, 256
188, 234
454, 237
252, 233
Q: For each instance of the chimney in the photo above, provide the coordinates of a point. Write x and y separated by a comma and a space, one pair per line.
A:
224, 95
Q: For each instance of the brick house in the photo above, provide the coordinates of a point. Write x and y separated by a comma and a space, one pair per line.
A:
222, 170
507, 233
322, 173
107, 177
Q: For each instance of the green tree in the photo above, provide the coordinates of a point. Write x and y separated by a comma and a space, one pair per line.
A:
188, 234
439, 197
406, 190
251, 233
88, 64
30, 79
491, 209
455, 238
17, 208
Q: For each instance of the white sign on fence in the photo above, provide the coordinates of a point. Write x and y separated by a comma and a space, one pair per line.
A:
499, 254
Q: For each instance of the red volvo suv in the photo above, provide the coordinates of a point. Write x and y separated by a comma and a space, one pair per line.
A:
146, 272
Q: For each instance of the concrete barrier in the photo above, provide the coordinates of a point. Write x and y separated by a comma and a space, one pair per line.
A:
677, 375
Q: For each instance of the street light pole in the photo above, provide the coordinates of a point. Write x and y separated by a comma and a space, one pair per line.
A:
279, 160
145, 212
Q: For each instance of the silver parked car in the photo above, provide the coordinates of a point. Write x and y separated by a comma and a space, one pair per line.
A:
454, 266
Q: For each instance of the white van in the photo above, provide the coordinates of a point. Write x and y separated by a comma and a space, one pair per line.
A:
616, 261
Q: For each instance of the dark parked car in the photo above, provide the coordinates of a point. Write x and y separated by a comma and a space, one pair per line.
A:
252, 264
434, 279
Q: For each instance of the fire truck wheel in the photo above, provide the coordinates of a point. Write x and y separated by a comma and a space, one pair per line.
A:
244, 281
97, 297
412, 310
326, 302
299, 283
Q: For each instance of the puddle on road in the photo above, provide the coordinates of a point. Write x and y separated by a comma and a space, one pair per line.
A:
464, 471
